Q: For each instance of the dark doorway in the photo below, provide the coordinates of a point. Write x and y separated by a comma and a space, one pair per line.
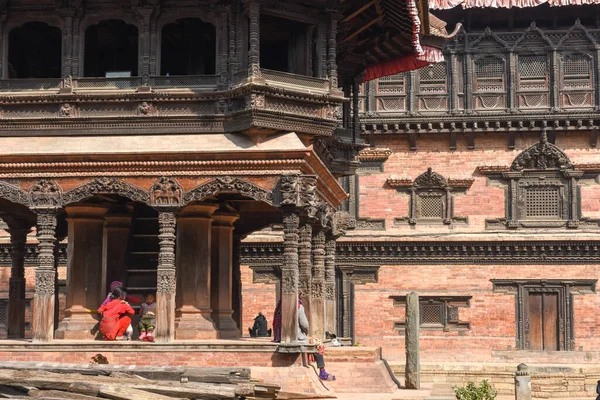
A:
188, 48
543, 333
111, 46
34, 51
284, 45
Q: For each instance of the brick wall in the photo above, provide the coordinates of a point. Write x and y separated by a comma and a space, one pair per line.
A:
256, 297
481, 201
492, 315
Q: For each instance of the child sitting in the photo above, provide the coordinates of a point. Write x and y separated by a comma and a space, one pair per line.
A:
129, 299
148, 318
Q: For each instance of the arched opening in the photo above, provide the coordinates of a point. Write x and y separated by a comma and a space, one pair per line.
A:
284, 45
188, 48
34, 51
111, 47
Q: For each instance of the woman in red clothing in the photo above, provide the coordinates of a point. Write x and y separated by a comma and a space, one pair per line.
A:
115, 316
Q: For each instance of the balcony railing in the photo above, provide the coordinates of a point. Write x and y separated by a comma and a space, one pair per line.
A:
19, 85
195, 82
285, 79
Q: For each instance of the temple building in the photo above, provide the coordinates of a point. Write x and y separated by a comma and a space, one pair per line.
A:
143, 140
229, 153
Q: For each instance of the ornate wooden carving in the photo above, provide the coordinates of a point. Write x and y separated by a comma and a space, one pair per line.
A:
305, 259
13, 193
289, 270
542, 190
437, 312
329, 288
431, 198
166, 258
564, 289
45, 273
45, 194
318, 267
166, 192
364, 254
228, 184
106, 186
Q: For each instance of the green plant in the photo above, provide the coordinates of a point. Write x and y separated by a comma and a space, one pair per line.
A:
484, 391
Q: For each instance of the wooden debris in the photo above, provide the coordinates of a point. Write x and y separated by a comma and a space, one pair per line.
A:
125, 385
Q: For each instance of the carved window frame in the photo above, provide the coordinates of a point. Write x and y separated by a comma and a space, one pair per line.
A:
482, 81
430, 80
3, 314
521, 288
449, 309
390, 88
542, 166
429, 185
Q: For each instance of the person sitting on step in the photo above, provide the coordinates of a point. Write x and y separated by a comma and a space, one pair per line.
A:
148, 318
129, 299
259, 329
116, 316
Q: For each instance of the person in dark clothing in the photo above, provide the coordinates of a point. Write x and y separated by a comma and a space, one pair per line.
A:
259, 329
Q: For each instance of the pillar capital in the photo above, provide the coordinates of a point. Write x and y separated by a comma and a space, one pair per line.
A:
87, 211
198, 211
225, 218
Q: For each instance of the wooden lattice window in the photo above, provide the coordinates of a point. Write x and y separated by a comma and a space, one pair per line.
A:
433, 79
431, 205
543, 202
577, 72
395, 84
437, 312
489, 74
533, 72
3, 313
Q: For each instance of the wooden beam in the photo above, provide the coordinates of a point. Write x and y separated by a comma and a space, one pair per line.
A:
367, 26
359, 11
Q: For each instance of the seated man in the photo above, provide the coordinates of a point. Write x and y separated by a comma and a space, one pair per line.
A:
259, 329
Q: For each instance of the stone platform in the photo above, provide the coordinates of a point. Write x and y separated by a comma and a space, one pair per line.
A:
358, 369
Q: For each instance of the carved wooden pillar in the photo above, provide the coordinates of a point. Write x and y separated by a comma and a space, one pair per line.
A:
289, 278
222, 271
332, 52
453, 86
144, 41
232, 62
317, 323
347, 304
193, 308
329, 289
166, 277
84, 271
45, 276
67, 45
355, 116
254, 40
114, 249
512, 82
223, 47
555, 79
468, 74
305, 268
321, 45
236, 285
16, 284
413, 107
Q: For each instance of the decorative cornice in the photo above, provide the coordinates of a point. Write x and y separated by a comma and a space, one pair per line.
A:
460, 252
463, 183
399, 182
374, 154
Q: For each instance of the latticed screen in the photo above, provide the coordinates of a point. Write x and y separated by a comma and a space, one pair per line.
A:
543, 202
489, 74
432, 313
432, 79
392, 84
431, 207
3, 313
533, 72
577, 71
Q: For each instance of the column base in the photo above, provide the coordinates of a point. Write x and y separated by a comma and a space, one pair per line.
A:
330, 317
317, 320
43, 318
79, 324
194, 324
226, 326
16, 308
